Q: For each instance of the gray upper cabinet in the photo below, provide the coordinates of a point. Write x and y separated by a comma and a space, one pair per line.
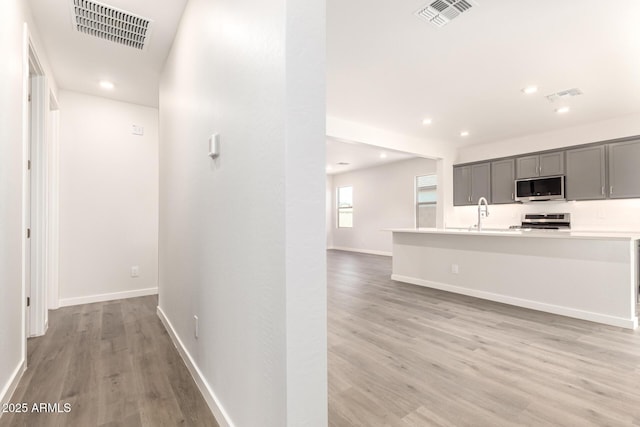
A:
528, 166
552, 163
586, 175
547, 164
503, 181
461, 185
624, 169
470, 183
480, 182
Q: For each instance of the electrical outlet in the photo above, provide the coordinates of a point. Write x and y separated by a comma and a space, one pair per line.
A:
455, 269
135, 271
196, 327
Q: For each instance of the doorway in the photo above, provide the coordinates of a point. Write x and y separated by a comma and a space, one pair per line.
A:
36, 195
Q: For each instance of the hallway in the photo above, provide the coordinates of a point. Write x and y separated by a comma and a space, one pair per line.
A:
115, 364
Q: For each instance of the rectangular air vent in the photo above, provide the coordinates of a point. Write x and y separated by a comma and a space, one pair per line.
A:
441, 12
563, 94
108, 23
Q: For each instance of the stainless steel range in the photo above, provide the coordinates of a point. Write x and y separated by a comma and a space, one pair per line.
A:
545, 221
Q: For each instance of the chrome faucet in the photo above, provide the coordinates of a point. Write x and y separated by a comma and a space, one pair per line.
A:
482, 212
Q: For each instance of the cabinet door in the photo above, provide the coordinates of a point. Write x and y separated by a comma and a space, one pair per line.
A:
528, 167
480, 182
585, 173
624, 169
461, 185
503, 181
552, 163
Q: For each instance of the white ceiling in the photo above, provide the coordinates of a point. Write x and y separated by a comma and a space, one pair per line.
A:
389, 69
359, 156
80, 61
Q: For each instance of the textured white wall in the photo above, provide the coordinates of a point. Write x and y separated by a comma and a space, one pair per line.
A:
108, 197
13, 15
11, 162
586, 215
241, 237
383, 197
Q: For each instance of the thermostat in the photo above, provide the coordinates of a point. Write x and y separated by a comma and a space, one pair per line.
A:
214, 145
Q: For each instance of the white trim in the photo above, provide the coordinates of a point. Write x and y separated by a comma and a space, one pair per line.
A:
26, 199
65, 302
7, 391
631, 323
362, 251
39, 194
218, 411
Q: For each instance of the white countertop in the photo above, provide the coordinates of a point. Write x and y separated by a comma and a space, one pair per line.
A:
547, 234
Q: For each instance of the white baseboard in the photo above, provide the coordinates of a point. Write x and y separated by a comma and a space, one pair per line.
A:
12, 385
362, 251
207, 392
520, 302
65, 302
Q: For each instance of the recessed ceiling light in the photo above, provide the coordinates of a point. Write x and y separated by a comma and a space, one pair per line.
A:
104, 84
530, 89
383, 155
329, 168
464, 133
427, 122
562, 110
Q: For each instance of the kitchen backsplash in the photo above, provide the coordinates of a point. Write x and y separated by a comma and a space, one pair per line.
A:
596, 215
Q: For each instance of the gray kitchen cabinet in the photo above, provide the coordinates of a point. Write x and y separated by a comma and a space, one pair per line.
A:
546, 164
461, 185
480, 182
470, 183
586, 173
624, 169
528, 166
503, 181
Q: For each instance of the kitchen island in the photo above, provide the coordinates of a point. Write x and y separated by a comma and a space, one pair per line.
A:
585, 275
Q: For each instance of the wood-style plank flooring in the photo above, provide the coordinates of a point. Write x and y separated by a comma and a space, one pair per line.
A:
404, 355
115, 364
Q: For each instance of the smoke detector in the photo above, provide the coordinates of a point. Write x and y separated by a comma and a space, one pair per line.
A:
564, 94
111, 24
441, 12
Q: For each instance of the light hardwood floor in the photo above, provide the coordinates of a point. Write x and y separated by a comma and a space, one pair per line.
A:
115, 364
404, 355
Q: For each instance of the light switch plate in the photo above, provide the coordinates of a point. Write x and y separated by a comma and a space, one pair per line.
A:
137, 130
214, 145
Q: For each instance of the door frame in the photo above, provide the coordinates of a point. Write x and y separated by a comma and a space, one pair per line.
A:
36, 192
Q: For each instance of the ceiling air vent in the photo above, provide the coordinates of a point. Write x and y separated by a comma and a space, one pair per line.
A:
564, 94
441, 12
108, 23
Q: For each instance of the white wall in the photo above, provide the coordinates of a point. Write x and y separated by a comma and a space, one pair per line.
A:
108, 199
241, 237
619, 215
383, 197
13, 15
329, 206
11, 161
443, 151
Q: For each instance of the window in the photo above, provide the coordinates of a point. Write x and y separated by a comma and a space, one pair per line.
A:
345, 207
426, 199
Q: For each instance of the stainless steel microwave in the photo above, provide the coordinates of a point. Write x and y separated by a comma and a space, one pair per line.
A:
540, 189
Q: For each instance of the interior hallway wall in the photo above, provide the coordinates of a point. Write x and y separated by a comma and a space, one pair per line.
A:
13, 15
108, 199
383, 197
242, 242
